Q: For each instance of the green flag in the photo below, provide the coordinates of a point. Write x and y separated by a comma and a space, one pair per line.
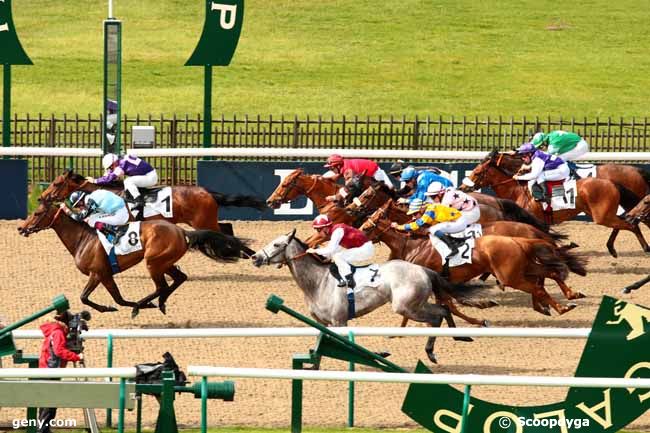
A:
11, 52
223, 23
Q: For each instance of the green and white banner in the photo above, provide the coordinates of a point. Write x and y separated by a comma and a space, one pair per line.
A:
11, 52
618, 347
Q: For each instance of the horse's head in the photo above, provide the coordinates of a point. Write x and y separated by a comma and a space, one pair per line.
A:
640, 212
62, 186
274, 253
369, 200
43, 218
291, 187
506, 164
377, 223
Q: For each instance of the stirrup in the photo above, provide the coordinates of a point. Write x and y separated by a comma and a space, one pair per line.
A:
341, 283
350, 281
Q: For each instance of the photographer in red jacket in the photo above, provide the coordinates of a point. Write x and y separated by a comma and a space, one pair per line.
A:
54, 354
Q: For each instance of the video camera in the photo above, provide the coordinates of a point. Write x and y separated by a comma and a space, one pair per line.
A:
76, 324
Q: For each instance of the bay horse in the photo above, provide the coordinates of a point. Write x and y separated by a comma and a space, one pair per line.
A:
163, 244
192, 205
408, 287
598, 198
517, 262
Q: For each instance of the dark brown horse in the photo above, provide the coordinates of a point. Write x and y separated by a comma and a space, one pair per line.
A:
163, 244
598, 198
192, 205
517, 262
639, 214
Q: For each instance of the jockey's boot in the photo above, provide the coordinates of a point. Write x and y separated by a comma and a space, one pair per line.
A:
573, 170
538, 191
334, 270
139, 206
350, 281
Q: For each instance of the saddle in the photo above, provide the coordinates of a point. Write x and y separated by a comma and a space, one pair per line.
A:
149, 194
368, 275
114, 233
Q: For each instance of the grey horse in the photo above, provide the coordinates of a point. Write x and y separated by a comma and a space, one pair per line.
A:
406, 285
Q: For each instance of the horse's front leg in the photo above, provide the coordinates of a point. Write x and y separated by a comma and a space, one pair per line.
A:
114, 291
91, 285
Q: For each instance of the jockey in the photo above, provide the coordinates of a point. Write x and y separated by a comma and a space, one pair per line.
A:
434, 213
543, 167
140, 174
101, 209
418, 181
470, 212
567, 145
339, 166
347, 246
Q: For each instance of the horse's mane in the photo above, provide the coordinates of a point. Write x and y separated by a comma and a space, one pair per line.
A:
75, 177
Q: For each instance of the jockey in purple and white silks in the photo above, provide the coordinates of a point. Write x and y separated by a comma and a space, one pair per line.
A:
543, 166
140, 174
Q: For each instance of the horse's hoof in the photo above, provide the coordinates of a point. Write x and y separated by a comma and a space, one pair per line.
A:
579, 295
626, 291
466, 339
647, 249
485, 324
432, 357
492, 303
546, 311
568, 307
110, 309
135, 312
613, 253
163, 308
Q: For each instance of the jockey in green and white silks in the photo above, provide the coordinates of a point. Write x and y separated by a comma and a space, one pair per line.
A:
567, 145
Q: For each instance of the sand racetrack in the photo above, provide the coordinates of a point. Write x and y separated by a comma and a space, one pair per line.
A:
37, 268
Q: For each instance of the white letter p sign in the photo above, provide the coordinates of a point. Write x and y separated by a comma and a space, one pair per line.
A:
228, 13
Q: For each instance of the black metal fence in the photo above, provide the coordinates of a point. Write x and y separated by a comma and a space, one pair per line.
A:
399, 133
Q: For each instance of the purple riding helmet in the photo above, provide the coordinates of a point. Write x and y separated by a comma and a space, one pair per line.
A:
526, 148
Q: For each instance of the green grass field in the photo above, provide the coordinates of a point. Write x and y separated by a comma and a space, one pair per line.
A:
352, 57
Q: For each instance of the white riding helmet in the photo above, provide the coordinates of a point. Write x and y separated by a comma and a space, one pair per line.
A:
108, 160
435, 188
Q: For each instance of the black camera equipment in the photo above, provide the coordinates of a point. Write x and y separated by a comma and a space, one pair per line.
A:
76, 324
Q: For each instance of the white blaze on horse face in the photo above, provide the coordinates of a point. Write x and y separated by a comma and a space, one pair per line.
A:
227, 15
285, 208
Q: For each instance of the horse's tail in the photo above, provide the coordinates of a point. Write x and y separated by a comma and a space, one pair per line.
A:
513, 212
466, 294
628, 199
218, 246
554, 260
237, 200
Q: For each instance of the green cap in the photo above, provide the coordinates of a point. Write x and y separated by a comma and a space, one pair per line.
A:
538, 139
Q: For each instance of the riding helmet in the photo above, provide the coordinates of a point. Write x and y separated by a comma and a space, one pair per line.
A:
321, 221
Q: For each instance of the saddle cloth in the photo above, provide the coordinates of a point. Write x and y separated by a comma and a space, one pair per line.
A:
157, 201
563, 194
464, 256
366, 276
127, 243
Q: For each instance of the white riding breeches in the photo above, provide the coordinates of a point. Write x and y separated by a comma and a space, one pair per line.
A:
359, 256
466, 218
562, 172
132, 183
120, 217
581, 148
381, 176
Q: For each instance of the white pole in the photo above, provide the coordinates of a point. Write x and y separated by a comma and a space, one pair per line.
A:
562, 333
110, 9
459, 379
53, 373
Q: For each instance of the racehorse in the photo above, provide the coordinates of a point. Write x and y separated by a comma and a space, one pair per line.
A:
407, 286
598, 198
517, 262
163, 244
192, 205
316, 188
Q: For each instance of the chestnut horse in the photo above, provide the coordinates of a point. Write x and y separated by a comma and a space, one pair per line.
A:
598, 198
192, 205
517, 262
163, 244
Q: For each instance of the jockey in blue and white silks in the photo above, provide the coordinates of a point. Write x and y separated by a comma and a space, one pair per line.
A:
101, 209
419, 181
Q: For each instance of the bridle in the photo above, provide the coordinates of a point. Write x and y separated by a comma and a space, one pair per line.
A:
293, 183
280, 249
34, 228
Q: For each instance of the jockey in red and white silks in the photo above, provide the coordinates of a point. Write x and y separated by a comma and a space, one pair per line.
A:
347, 246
